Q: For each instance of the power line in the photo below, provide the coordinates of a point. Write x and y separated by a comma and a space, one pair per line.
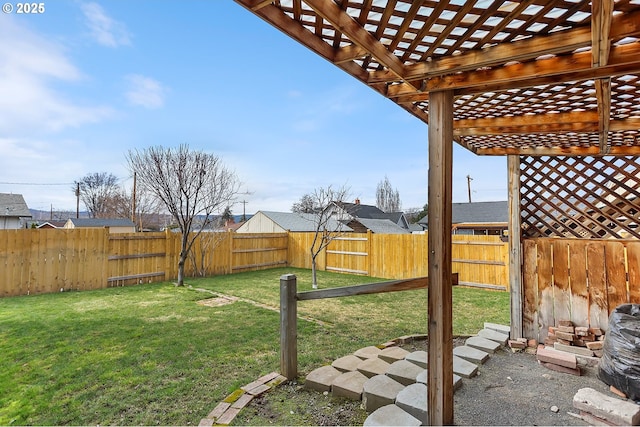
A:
37, 183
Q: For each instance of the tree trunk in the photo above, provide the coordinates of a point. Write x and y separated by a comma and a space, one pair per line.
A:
314, 279
180, 281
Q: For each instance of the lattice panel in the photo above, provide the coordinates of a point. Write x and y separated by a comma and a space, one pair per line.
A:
582, 197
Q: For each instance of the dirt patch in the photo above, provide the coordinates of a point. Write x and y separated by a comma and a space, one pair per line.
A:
510, 389
217, 302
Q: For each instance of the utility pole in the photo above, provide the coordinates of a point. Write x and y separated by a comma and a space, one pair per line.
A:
469, 179
244, 212
77, 200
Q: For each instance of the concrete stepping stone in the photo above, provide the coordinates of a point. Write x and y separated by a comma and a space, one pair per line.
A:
321, 379
457, 380
505, 329
419, 358
391, 415
471, 354
464, 368
404, 372
347, 363
483, 344
379, 391
349, 385
492, 335
393, 354
368, 352
373, 367
413, 400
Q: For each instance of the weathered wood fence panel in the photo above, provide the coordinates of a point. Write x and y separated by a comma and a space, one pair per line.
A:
47, 260
580, 280
42, 261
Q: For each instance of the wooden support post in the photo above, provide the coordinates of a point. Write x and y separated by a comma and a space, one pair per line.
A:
515, 247
440, 360
288, 326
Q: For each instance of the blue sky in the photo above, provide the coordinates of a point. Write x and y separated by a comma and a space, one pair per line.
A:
84, 82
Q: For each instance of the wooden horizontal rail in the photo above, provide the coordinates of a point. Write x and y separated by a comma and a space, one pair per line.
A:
370, 288
483, 285
138, 236
244, 251
134, 256
347, 270
266, 264
478, 261
460, 242
135, 276
348, 253
354, 239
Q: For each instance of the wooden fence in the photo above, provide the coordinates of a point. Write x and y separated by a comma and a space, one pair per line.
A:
479, 260
50, 260
582, 280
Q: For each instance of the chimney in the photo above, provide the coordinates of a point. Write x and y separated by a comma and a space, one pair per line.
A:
357, 201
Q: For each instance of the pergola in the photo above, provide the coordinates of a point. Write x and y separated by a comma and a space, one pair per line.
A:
515, 78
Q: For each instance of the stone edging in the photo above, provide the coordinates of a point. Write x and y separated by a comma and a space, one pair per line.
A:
229, 408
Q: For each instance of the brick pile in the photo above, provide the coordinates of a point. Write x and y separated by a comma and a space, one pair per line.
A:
581, 340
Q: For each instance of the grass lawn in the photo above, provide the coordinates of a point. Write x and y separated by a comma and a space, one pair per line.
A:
150, 355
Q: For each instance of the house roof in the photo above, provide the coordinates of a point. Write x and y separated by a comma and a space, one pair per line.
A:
13, 205
53, 223
359, 210
301, 222
382, 226
101, 222
553, 77
477, 213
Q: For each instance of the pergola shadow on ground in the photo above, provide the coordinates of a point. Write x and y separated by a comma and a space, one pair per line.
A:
542, 82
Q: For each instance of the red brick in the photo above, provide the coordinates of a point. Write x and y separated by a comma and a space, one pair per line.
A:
596, 331
517, 344
568, 329
532, 343
557, 357
565, 323
567, 336
582, 330
614, 390
596, 345
564, 342
563, 369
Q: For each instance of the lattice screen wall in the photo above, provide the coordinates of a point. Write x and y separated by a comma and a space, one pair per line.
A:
582, 197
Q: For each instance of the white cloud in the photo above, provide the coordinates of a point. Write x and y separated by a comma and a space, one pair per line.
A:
105, 30
145, 91
29, 65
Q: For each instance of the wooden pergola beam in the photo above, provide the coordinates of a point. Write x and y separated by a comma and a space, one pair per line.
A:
440, 365
624, 59
601, 16
348, 26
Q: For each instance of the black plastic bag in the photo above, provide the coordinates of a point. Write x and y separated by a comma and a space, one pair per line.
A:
620, 363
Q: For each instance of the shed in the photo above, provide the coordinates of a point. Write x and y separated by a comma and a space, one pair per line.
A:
115, 225
13, 211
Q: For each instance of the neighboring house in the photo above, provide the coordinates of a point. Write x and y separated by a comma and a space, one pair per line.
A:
115, 225
347, 212
52, 223
280, 222
479, 218
379, 226
13, 211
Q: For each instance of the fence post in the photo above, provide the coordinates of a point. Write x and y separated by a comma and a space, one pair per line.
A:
288, 326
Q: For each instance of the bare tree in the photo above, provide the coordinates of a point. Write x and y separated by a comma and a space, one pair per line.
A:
306, 204
95, 191
387, 199
190, 184
327, 226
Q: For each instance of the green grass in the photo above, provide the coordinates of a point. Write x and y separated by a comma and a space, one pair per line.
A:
149, 355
